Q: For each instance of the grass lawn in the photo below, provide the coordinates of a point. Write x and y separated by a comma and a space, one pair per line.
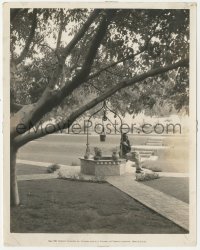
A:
176, 187
67, 149
61, 206
174, 159
24, 169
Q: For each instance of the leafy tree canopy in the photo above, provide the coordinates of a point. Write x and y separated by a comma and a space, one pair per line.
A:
137, 40
68, 61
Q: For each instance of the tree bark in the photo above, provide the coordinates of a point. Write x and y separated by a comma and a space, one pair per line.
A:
14, 194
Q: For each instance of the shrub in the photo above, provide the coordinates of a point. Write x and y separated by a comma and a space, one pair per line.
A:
80, 177
52, 168
146, 176
98, 179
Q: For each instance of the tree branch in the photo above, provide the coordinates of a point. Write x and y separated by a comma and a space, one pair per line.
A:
45, 45
52, 98
61, 58
29, 40
96, 74
29, 136
144, 48
14, 107
80, 33
60, 30
86, 68
127, 83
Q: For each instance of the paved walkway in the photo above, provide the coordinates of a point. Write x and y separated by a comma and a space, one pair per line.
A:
43, 164
168, 206
148, 147
34, 163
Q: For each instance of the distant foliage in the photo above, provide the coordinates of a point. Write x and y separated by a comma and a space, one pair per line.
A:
162, 36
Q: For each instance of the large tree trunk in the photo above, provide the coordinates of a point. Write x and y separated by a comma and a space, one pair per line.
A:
14, 194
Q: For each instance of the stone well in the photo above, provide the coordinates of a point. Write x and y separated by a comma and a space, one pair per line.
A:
106, 166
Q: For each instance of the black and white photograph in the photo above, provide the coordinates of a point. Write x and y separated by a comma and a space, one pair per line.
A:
100, 104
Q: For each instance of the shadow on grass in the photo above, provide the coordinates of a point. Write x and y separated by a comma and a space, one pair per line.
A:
61, 206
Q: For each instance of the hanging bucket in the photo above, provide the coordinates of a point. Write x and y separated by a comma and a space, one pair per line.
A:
102, 137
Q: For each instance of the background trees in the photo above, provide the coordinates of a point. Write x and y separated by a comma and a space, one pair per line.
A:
69, 60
